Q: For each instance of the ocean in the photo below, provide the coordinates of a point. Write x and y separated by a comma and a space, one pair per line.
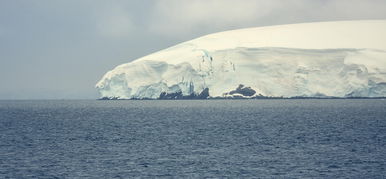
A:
270, 138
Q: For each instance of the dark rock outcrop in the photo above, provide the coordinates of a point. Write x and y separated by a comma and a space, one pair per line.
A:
241, 89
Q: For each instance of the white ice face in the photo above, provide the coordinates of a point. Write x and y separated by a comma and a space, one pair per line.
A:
337, 59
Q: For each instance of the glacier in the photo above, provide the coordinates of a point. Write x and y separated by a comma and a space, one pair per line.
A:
321, 59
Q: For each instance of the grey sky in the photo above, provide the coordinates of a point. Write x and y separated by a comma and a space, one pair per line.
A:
59, 49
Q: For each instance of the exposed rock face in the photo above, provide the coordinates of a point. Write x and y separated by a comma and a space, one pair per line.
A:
242, 90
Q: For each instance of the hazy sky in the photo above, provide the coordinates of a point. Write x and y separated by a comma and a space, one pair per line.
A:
59, 49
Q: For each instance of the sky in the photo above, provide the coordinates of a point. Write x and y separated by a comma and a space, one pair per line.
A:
59, 49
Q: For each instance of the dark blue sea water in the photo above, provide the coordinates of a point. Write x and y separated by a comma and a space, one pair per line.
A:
197, 139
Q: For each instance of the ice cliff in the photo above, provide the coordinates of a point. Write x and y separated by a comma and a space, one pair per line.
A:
325, 59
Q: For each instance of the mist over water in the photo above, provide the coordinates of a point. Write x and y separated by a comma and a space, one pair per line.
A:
193, 138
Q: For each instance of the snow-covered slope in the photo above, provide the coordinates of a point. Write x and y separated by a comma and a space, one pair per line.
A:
340, 59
